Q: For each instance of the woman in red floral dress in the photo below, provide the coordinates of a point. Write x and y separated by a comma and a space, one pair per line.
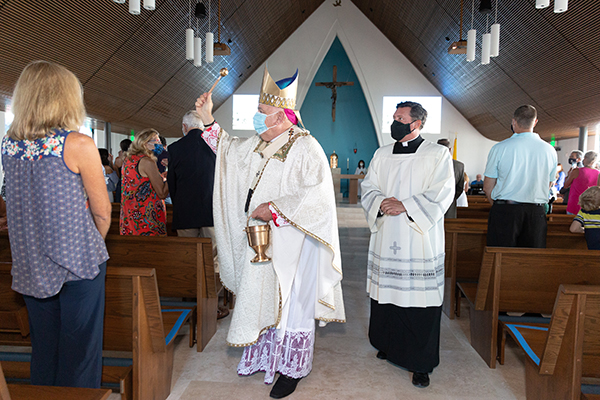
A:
143, 188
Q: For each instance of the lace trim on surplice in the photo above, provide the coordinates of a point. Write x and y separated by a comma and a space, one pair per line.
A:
291, 356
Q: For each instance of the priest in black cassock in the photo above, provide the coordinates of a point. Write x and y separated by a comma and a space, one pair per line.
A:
409, 187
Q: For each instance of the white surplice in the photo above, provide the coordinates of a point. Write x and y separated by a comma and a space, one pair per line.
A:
406, 251
297, 182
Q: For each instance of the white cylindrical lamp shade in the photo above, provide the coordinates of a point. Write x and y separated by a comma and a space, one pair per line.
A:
189, 44
485, 48
542, 3
134, 7
471, 42
561, 6
209, 53
197, 51
150, 5
119, 1
495, 41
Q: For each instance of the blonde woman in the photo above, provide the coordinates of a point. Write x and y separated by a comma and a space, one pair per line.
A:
58, 215
143, 188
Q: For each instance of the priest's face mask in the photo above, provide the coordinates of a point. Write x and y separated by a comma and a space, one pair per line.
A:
403, 124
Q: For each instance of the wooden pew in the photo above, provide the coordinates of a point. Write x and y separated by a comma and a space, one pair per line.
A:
560, 355
14, 322
28, 392
465, 241
482, 210
525, 281
133, 322
116, 216
184, 269
184, 266
476, 199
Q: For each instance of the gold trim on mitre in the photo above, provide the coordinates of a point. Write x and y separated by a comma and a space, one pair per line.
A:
271, 95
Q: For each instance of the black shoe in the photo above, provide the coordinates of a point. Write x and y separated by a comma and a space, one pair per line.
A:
420, 379
381, 355
284, 387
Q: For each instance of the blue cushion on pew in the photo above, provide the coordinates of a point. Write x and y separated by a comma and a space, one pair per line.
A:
524, 320
169, 303
522, 342
177, 326
590, 389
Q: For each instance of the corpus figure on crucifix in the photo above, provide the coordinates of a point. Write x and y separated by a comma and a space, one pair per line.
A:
333, 86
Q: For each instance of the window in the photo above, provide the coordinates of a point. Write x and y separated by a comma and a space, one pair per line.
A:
433, 105
244, 108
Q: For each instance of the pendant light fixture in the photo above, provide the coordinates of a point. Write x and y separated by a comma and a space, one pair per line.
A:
485, 6
542, 3
561, 6
221, 49
486, 43
189, 37
459, 47
471, 37
134, 7
150, 5
197, 48
210, 39
495, 39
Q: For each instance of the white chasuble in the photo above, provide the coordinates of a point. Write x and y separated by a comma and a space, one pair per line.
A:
406, 251
296, 180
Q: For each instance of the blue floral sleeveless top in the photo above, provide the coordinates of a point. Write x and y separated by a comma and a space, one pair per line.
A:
53, 238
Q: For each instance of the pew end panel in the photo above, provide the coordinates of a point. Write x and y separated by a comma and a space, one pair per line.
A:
484, 312
14, 319
133, 300
522, 280
208, 298
465, 240
559, 357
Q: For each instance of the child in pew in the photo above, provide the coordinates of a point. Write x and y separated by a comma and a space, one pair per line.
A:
587, 219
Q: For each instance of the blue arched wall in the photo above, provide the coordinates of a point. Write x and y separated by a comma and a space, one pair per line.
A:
353, 126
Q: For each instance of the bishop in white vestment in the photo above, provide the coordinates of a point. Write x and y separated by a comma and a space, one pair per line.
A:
409, 187
280, 176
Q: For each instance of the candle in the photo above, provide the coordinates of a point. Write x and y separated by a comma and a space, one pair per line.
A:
347, 163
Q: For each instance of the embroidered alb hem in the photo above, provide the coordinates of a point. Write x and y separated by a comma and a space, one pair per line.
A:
291, 356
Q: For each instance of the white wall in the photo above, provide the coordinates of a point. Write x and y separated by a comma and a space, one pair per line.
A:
381, 69
568, 145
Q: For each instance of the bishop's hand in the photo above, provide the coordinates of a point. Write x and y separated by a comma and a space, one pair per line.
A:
204, 106
392, 206
262, 212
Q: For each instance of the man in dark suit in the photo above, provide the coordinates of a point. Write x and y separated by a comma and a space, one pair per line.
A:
459, 179
190, 177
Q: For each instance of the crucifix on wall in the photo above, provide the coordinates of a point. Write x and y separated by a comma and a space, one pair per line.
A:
333, 86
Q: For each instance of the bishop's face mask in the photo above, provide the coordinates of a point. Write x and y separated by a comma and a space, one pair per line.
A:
259, 121
400, 130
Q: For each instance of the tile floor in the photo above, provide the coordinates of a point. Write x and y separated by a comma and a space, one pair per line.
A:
345, 366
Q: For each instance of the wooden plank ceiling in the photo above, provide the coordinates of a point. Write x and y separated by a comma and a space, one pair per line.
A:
549, 60
135, 75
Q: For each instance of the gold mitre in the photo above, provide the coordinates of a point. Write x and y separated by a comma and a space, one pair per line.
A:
272, 95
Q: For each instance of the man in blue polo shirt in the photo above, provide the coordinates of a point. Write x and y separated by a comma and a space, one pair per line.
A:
518, 176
